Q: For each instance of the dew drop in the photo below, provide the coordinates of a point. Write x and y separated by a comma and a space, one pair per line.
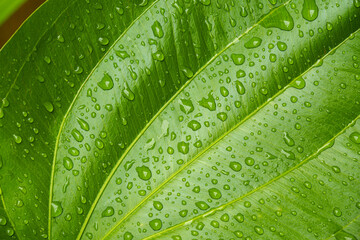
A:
106, 82
77, 135
144, 173
282, 20
155, 224
253, 43
158, 205
68, 163
127, 93
194, 125
157, 29
208, 102
337, 212
355, 137
103, 41
188, 72
56, 209
49, 107
240, 87
238, 59
83, 124
235, 166
186, 106
108, 212
202, 205
17, 138
183, 147
288, 140
310, 10
122, 54
342, 235
215, 193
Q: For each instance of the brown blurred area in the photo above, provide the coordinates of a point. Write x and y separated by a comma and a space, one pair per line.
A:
14, 22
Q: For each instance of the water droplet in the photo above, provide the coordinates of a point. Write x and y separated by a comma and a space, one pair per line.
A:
127, 93
73, 151
60, 38
342, 235
56, 209
310, 10
224, 91
159, 55
122, 54
77, 135
103, 41
240, 87
186, 106
106, 82
183, 213
158, 205
1, 113
239, 218
194, 125
243, 11
282, 20
209, 102
99, 144
259, 230
183, 147
129, 164
222, 116
188, 72
205, 2
128, 236
235, 166
49, 107
3, 221
357, 3
144, 173
108, 212
83, 124
299, 83
337, 212
17, 138
202, 205
68, 163
215, 193
155, 224
253, 43
238, 59
157, 29
150, 144
288, 154
47, 59
355, 137
249, 161
288, 140
281, 45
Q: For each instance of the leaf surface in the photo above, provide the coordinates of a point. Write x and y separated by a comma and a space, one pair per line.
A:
194, 119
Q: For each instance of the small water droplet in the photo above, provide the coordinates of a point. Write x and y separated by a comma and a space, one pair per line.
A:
235, 166
240, 87
215, 193
49, 107
194, 125
103, 41
83, 124
186, 106
288, 140
17, 138
355, 137
158, 205
77, 135
238, 59
208, 102
127, 93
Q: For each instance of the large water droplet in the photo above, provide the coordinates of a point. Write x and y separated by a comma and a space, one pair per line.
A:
288, 140
68, 163
355, 137
186, 106
238, 59
310, 10
215, 193
155, 224
106, 82
194, 125
157, 29
108, 212
144, 173
253, 43
56, 209
77, 135
127, 93
202, 205
208, 102
158, 205
240, 87
235, 166
83, 124
342, 235
183, 147
282, 19
49, 107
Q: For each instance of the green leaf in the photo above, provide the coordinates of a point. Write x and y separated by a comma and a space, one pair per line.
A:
8, 7
183, 119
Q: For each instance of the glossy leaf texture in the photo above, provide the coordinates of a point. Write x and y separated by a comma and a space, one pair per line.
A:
193, 120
